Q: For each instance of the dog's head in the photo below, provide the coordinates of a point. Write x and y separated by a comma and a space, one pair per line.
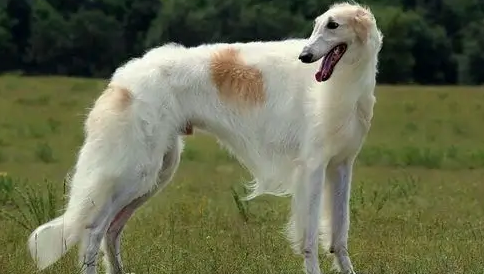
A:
343, 28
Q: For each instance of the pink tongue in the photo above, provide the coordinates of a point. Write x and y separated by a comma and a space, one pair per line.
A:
325, 67
319, 76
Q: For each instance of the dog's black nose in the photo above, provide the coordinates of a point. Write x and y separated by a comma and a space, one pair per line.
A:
306, 57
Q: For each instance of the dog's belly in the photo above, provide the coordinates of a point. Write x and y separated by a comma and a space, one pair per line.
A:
267, 147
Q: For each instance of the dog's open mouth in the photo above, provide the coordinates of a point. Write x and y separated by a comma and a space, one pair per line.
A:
329, 62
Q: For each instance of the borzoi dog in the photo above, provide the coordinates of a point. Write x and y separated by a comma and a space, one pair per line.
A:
297, 133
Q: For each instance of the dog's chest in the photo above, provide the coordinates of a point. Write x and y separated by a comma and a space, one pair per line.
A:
345, 138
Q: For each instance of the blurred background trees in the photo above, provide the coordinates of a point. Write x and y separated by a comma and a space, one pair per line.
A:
426, 41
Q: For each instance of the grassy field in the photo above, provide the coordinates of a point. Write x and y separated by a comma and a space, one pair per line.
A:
417, 197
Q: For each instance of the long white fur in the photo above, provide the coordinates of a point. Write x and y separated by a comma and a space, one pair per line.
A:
302, 141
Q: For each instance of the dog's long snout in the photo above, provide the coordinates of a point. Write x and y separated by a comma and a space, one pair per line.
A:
306, 56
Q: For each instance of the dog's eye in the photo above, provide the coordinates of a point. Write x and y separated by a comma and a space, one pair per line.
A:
332, 25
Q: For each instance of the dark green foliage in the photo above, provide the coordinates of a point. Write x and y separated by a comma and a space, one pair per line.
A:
396, 59
96, 43
7, 45
49, 40
426, 42
472, 58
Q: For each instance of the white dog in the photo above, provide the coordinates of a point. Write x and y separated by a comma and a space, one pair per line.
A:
298, 135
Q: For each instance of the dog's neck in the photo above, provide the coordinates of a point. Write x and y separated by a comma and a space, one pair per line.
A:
350, 82
345, 85
358, 63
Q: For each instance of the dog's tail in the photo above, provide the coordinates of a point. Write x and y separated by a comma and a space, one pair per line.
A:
51, 241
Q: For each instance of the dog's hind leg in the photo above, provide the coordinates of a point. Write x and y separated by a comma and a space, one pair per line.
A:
118, 163
96, 230
126, 141
137, 178
131, 187
339, 185
111, 245
111, 241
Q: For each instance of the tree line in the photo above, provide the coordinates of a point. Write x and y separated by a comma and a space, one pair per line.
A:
426, 41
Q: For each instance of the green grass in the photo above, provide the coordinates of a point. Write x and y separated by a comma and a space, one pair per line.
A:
417, 196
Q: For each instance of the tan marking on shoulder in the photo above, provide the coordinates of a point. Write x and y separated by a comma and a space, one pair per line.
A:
235, 80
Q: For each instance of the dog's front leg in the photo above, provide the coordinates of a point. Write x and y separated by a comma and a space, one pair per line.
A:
340, 216
306, 210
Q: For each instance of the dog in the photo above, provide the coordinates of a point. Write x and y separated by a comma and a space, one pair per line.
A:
295, 123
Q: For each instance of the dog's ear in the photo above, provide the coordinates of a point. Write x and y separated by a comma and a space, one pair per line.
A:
362, 24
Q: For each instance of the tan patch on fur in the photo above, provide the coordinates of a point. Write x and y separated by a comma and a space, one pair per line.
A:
235, 80
362, 24
118, 98
112, 102
360, 18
